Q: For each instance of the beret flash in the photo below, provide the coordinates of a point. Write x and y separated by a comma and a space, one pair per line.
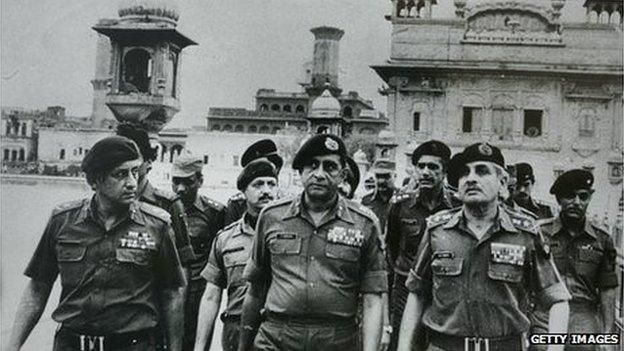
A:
319, 145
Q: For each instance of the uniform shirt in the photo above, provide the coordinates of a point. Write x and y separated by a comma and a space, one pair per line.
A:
205, 220
156, 197
480, 287
235, 207
228, 256
586, 262
379, 206
540, 209
317, 271
110, 280
406, 223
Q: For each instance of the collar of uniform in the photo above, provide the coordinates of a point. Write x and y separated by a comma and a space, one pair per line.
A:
341, 209
589, 229
199, 204
505, 220
294, 209
502, 220
136, 214
243, 226
147, 193
85, 210
557, 227
455, 219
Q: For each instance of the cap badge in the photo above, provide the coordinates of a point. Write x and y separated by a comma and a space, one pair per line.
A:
485, 150
331, 144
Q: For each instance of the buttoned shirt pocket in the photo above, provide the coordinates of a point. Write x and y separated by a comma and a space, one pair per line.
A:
506, 262
411, 229
285, 244
342, 252
588, 261
446, 269
70, 251
236, 256
135, 256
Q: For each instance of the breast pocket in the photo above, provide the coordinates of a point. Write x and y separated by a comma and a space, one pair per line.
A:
235, 257
137, 257
285, 244
70, 251
342, 252
446, 269
588, 262
506, 262
411, 229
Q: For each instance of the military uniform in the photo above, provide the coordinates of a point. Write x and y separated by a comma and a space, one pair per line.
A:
587, 264
234, 208
478, 288
539, 208
316, 273
228, 256
110, 280
379, 206
406, 224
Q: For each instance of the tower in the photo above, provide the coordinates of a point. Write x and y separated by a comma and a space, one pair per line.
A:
146, 47
325, 61
101, 115
324, 116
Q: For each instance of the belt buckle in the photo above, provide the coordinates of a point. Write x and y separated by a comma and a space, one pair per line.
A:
476, 341
91, 343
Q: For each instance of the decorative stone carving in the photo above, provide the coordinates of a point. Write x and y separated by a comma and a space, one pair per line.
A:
513, 23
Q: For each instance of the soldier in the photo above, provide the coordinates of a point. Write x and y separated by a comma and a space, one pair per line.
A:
204, 218
477, 263
352, 179
585, 256
312, 256
230, 251
522, 192
264, 148
120, 273
379, 200
406, 220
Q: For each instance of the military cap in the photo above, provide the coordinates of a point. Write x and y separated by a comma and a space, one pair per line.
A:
353, 175
262, 148
186, 164
431, 148
140, 137
524, 172
256, 168
384, 167
109, 153
575, 179
319, 145
473, 153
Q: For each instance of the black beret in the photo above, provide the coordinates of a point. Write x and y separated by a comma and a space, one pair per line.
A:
353, 175
262, 148
524, 172
432, 148
256, 168
572, 180
319, 145
473, 153
140, 137
109, 153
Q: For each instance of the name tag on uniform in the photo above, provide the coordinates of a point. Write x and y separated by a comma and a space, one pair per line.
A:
508, 253
345, 236
137, 240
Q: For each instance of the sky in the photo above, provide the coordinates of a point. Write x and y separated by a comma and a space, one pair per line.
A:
48, 50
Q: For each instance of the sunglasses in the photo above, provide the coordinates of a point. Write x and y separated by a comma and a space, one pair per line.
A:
583, 195
432, 166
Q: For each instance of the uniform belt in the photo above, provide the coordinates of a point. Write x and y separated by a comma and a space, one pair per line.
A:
334, 321
458, 343
89, 342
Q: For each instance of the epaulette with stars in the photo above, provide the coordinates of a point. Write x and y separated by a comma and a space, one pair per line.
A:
69, 205
400, 197
238, 196
213, 204
357, 207
441, 217
155, 211
522, 221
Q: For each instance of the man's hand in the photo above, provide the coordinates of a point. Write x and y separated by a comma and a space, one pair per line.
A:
385, 338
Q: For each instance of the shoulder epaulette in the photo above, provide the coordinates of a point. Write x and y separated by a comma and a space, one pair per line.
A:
168, 195
400, 197
361, 209
546, 221
69, 205
238, 196
600, 227
441, 217
278, 203
228, 227
213, 203
522, 221
155, 211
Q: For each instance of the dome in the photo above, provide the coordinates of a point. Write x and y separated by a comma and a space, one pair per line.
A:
159, 10
325, 106
386, 134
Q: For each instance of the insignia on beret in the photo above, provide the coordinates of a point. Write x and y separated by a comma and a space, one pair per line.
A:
485, 149
331, 144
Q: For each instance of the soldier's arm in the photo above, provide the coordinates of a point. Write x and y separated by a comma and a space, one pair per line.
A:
31, 307
608, 283
409, 323
392, 233
208, 310
607, 300
173, 313
251, 318
371, 320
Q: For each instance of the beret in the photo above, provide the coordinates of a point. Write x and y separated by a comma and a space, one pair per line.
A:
256, 168
524, 172
432, 148
319, 145
572, 180
186, 164
384, 166
353, 175
109, 153
262, 148
140, 137
475, 152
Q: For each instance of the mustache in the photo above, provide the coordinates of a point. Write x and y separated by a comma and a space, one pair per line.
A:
266, 197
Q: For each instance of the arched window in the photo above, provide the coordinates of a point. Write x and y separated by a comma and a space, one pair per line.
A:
239, 128
23, 129
227, 128
275, 107
265, 129
14, 155
175, 152
137, 71
61, 154
216, 127
416, 121
587, 123
604, 17
276, 129
300, 109
347, 111
22, 155
7, 154
264, 107
287, 108
252, 129
8, 128
163, 151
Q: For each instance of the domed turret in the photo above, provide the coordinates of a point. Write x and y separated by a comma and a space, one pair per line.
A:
149, 10
325, 106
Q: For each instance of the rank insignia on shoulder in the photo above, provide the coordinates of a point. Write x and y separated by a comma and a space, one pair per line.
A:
508, 253
526, 224
439, 218
345, 236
